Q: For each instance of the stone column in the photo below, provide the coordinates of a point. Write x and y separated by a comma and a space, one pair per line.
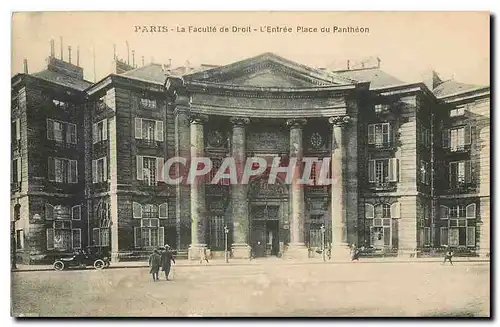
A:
297, 247
240, 247
182, 150
198, 205
340, 247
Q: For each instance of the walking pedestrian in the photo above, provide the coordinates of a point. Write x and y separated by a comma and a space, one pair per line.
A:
167, 259
154, 264
354, 253
448, 256
203, 255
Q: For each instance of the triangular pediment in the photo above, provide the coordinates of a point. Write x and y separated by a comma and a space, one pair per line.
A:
267, 70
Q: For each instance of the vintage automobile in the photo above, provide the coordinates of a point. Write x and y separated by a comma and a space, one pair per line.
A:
97, 257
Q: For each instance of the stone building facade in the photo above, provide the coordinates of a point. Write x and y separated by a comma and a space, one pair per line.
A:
410, 162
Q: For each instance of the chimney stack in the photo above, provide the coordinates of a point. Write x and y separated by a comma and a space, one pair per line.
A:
133, 58
142, 60
62, 56
348, 65
52, 49
378, 62
114, 51
25, 62
169, 62
78, 56
69, 54
188, 68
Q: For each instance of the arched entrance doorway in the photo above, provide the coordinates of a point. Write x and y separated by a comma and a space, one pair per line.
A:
268, 211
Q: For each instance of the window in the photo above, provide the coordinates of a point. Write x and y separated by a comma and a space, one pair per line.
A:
99, 170
379, 134
460, 229
459, 111
16, 130
63, 170
381, 171
61, 131
148, 130
150, 170
424, 136
77, 238
61, 104
19, 239
150, 211
100, 236
149, 235
386, 211
60, 236
163, 211
381, 108
427, 236
16, 171
425, 172
148, 103
460, 173
457, 138
380, 223
100, 131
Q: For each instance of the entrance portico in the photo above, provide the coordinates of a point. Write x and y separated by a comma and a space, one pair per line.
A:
269, 106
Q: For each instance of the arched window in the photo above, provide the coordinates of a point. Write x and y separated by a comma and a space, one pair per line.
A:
386, 210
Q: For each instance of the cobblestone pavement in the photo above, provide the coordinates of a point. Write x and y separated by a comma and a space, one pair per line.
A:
391, 289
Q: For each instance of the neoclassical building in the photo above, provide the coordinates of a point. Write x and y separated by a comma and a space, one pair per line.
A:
410, 162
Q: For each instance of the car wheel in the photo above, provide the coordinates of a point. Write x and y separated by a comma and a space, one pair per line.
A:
99, 264
106, 264
59, 265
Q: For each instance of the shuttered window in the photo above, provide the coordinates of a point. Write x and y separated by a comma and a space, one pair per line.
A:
150, 130
100, 131
100, 170
61, 131
383, 170
62, 170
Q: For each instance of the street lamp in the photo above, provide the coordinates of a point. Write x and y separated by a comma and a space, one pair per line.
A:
226, 232
323, 241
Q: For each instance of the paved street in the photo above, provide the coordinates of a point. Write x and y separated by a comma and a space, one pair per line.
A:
355, 289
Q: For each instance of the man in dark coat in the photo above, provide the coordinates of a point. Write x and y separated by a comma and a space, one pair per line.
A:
154, 264
167, 258
448, 255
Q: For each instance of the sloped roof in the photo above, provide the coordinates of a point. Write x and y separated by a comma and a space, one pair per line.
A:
64, 80
154, 72
376, 77
453, 87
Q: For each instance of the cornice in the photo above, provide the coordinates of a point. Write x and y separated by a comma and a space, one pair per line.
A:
268, 112
127, 82
269, 92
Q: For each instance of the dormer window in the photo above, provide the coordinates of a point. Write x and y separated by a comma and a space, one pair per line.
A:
456, 112
148, 103
381, 108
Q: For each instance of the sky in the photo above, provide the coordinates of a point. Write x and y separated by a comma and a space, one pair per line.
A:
455, 44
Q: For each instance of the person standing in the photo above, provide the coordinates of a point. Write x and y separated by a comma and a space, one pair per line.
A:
167, 259
448, 255
154, 264
203, 255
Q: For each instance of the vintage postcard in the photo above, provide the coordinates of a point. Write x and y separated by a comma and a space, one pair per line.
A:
254, 164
